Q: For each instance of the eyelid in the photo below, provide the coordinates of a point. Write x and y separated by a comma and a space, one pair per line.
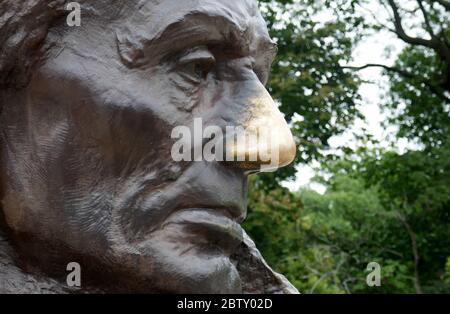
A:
201, 53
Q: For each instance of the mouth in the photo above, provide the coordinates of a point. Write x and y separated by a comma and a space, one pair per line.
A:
209, 227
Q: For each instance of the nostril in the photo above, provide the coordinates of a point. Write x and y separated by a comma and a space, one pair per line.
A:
271, 148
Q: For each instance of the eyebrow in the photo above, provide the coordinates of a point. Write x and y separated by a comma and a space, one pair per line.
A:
194, 28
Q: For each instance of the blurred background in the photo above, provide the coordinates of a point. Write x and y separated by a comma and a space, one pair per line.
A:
365, 85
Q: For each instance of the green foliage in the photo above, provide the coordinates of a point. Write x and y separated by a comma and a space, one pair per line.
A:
320, 97
425, 115
379, 205
447, 271
416, 187
316, 95
285, 244
323, 243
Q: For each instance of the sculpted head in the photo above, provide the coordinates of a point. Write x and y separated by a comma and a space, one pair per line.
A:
87, 114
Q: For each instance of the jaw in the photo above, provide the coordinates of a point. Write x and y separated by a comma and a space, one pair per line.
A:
246, 271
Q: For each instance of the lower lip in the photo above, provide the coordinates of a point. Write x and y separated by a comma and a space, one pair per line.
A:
212, 222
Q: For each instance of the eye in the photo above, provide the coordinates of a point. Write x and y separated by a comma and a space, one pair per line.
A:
196, 64
199, 68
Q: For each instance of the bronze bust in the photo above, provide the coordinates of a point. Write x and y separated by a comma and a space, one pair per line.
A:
87, 175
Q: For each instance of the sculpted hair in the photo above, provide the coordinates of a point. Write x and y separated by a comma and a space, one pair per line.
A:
23, 27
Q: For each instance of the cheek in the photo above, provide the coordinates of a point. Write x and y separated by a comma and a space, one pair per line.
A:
185, 96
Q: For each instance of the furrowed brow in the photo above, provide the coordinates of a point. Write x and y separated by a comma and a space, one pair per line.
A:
189, 30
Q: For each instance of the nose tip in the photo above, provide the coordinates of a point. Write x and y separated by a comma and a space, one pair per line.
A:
267, 142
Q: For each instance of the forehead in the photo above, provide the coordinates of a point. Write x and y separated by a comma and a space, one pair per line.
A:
167, 24
158, 14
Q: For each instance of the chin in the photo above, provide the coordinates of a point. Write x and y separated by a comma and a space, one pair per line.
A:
164, 265
200, 274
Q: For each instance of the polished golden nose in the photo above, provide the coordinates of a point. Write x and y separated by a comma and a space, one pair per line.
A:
265, 142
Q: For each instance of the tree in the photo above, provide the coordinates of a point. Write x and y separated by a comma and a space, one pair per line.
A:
379, 205
420, 78
382, 207
316, 95
319, 95
416, 189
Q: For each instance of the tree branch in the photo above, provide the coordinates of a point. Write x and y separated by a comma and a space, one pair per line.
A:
433, 88
415, 250
426, 18
434, 43
400, 31
379, 24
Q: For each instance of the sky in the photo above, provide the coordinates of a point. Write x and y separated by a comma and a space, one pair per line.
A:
371, 50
